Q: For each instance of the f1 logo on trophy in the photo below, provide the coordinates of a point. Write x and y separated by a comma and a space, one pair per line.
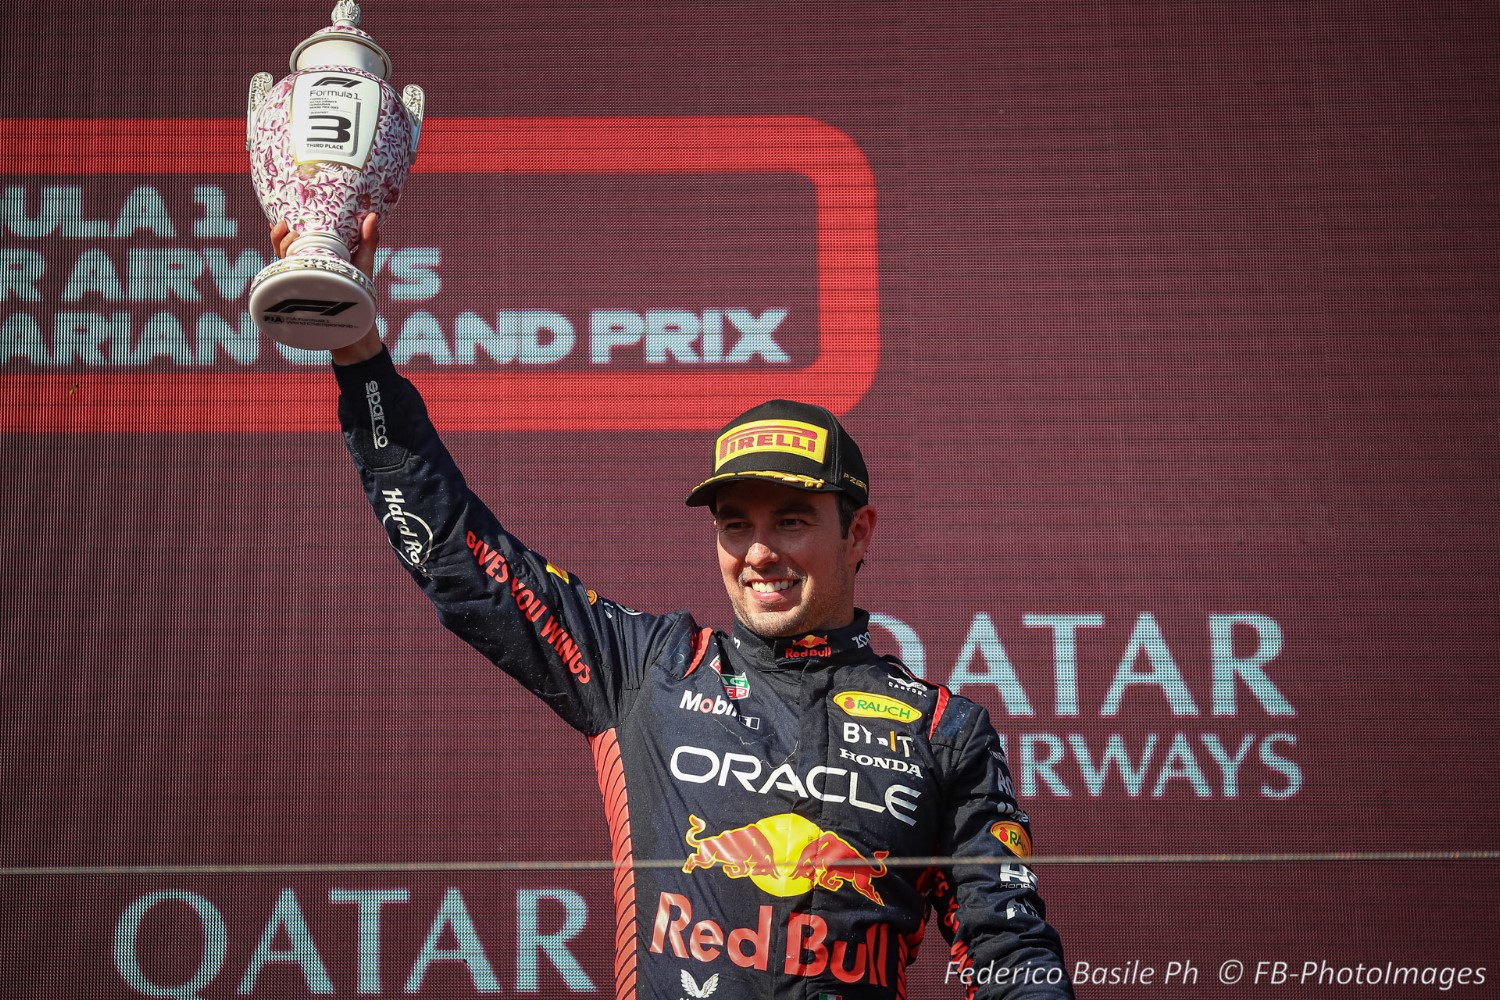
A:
328, 145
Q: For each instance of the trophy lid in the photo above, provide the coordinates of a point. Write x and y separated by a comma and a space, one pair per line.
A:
345, 28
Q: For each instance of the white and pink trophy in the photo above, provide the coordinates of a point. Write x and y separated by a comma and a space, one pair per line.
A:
328, 145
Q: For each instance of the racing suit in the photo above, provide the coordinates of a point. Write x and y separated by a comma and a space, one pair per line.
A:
782, 779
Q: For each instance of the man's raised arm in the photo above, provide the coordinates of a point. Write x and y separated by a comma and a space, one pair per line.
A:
576, 651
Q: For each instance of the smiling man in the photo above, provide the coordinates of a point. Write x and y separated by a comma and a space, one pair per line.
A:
806, 802
788, 495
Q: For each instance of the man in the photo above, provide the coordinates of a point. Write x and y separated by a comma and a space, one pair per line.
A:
783, 769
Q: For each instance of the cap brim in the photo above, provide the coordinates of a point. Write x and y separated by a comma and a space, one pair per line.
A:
703, 494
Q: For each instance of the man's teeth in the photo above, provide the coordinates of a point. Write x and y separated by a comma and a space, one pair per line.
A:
771, 587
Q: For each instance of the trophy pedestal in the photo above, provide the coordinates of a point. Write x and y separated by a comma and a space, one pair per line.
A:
313, 303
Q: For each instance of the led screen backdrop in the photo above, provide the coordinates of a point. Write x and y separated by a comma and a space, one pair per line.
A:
1168, 331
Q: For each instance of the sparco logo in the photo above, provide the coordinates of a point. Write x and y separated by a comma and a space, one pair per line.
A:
377, 414
410, 536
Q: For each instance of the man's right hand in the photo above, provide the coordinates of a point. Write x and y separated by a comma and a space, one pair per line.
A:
369, 345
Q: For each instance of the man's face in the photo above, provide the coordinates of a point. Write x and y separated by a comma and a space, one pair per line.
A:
786, 564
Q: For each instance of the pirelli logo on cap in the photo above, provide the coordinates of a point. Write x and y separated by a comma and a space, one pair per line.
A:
790, 437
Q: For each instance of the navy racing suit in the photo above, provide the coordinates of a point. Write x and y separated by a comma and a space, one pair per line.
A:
784, 780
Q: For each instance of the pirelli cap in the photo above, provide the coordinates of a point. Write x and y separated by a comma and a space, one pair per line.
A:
795, 444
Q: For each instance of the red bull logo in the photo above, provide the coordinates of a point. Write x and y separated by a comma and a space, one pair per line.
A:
807, 647
802, 944
742, 852
786, 855
830, 861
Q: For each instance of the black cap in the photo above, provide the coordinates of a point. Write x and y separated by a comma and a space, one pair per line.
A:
795, 444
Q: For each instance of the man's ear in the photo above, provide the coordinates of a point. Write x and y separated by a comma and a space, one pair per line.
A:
861, 530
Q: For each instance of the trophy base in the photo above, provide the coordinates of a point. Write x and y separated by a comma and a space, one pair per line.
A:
312, 303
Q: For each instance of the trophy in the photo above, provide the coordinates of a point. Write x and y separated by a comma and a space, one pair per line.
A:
328, 145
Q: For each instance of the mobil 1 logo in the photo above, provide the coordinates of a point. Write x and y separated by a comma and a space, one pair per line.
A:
333, 117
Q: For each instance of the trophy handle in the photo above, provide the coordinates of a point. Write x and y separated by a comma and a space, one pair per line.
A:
260, 86
416, 102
